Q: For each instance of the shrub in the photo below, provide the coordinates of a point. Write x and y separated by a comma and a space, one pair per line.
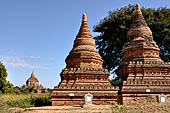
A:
41, 100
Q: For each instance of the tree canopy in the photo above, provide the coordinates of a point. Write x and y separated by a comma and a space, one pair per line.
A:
113, 30
5, 86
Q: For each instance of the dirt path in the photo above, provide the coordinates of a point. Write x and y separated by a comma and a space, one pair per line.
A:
138, 108
69, 109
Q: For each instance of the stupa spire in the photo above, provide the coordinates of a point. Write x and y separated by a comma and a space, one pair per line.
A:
32, 75
84, 18
139, 27
84, 31
140, 40
84, 53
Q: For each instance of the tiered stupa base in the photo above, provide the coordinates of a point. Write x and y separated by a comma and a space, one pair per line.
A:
77, 82
144, 94
146, 84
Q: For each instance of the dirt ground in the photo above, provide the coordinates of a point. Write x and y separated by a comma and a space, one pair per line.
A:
138, 108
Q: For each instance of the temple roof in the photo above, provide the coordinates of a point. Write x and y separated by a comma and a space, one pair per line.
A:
32, 77
84, 53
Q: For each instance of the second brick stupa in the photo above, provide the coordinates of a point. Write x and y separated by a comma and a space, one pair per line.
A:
144, 75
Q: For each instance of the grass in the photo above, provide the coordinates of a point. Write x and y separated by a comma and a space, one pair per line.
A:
12, 100
116, 108
150, 107
24, 100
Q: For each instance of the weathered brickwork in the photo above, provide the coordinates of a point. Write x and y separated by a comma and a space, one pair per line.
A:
84, 74
143, 72
144, 75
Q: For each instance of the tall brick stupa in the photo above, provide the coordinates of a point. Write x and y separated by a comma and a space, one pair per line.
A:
84, 74
144, 75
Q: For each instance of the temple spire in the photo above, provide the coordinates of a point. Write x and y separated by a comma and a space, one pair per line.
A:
32, 75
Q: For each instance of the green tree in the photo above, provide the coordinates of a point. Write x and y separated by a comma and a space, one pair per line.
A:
5, 86
113, 30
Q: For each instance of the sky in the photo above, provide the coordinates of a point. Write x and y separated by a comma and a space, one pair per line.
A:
37, 35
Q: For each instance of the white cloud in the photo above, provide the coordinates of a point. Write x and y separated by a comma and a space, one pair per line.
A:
14, 61
33, 57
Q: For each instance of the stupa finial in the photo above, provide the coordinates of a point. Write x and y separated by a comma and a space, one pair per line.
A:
138, 10
84, 17
137, 7
32, 75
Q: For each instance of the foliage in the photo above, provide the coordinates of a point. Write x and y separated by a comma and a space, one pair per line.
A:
23, 90
13, 100
5, 86
49, 90
24, 100
116, 108
113, 30
41, 100
116, 81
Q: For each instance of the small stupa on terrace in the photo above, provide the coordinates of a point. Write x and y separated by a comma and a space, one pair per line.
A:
144, 75
84, 74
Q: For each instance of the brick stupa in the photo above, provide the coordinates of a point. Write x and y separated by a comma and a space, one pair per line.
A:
144, 75
84, 74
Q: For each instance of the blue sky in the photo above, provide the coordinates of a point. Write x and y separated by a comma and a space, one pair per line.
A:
38, 34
